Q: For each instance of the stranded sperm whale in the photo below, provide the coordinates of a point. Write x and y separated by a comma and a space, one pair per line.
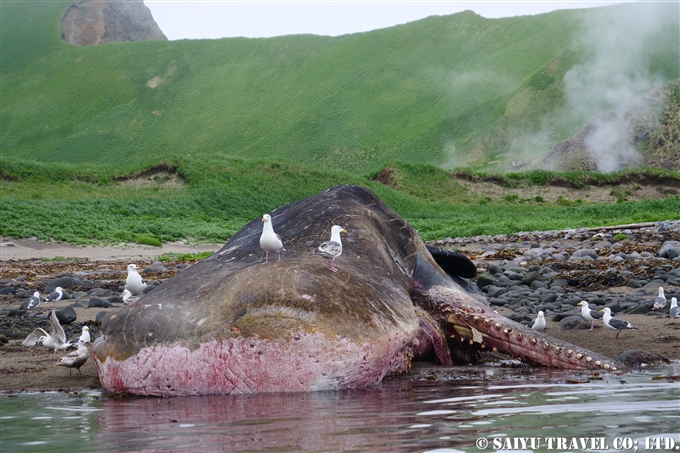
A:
228, 325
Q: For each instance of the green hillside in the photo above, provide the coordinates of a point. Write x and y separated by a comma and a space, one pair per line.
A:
448, 91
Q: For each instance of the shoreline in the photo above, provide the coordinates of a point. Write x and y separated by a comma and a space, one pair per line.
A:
31, 264
31, 248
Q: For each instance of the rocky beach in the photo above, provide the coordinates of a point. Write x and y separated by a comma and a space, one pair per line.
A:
551, 271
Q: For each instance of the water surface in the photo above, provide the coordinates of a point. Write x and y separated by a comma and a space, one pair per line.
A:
442, 415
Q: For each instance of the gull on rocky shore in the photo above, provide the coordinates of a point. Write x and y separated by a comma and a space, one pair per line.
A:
55, 295
660, 301
75, 359
615, 323
56, 341
588, 314
539, 322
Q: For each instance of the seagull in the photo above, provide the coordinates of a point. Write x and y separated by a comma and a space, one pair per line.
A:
615, 323
588, 314
55, 295
333, 248
134, 282
269, 240
75, 359
675, 310
539, 322
85, 336
56, 341
34, 301
128, 297
660, 301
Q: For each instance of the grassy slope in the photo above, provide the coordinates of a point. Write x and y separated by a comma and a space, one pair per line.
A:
84, 204
432, 91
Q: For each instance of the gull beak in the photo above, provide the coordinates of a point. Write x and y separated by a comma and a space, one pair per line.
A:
601, 311
343, 231
263, 218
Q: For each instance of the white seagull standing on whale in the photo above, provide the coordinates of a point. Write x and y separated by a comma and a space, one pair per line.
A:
270, 241
134, 282
333, 248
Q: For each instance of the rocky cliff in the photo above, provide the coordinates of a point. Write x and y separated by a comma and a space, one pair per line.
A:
91, 22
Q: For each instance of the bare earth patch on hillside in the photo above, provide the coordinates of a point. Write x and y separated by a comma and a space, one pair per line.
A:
590, 194
159, 179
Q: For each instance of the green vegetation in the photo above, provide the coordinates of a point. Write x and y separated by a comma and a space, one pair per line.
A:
184, 256
148, 240
620, 237
446, 90
217, 197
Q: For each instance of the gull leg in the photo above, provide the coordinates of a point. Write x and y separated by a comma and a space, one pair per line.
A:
266, 257
278, 253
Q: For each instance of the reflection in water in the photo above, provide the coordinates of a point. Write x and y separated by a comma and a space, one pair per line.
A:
397, 416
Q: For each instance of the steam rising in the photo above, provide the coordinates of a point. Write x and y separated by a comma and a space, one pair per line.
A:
620, 42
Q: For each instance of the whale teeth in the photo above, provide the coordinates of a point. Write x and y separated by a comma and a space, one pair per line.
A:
507, 331
545, 345
598, 363
532, 340
494, 349
558, 348
483, 346
475, 318
569, 352
589, 359
607, 366
497, 326
579, 356
487, 322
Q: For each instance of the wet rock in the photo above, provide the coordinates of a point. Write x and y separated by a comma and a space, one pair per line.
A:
100, 292
64, 282
66, 315
99, 302
486, 279
574, 323
100, 316
670, 249
639, 358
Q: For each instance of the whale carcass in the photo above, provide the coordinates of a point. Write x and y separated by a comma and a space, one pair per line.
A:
231, 324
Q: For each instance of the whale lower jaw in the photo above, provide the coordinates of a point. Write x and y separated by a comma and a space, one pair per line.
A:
307, 362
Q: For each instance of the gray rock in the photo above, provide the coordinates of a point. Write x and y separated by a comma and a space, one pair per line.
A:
574, 323
530, 277
98, 302
487, 279
670, 249
66, 315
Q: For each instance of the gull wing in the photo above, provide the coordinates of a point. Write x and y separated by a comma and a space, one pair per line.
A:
33, 338
57, 330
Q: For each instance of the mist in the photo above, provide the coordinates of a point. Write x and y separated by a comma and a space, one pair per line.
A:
615, 75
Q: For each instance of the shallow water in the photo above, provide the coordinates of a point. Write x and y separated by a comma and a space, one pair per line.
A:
501, 406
